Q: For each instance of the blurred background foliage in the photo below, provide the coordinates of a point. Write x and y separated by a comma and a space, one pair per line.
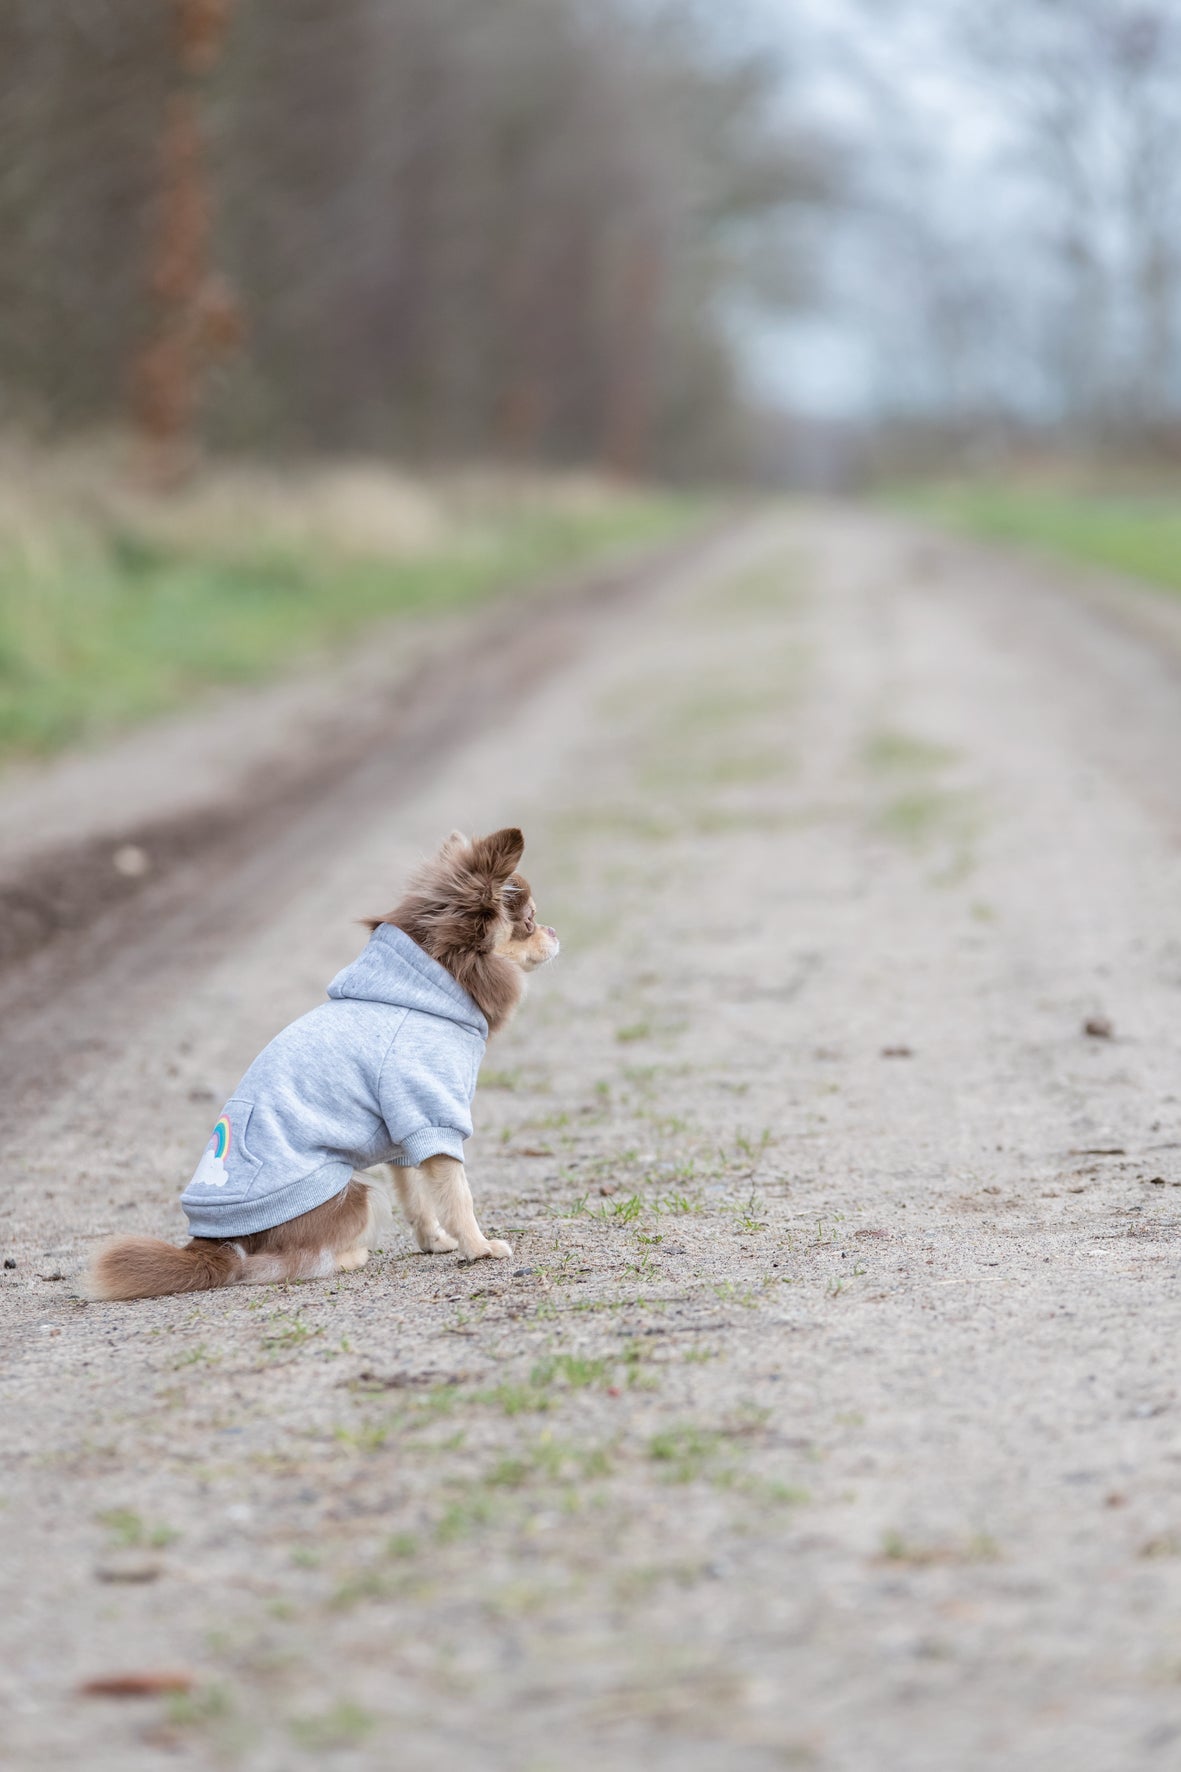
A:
449, 229
920, 245
118, 602
793, 238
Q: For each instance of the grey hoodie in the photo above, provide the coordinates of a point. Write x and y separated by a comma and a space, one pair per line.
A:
384, 1072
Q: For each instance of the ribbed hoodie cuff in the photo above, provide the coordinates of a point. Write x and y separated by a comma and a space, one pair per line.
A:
432, 1141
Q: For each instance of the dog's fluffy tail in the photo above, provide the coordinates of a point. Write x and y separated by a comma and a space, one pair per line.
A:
314, 1246
146, 1267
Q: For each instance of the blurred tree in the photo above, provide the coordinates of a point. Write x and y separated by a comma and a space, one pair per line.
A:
457, 227
83, 92
196, 317
1089, 93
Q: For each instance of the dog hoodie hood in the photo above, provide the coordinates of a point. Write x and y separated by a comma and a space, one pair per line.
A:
383, 1072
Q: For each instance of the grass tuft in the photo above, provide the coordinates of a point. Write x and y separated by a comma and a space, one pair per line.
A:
1139, 534
114, 610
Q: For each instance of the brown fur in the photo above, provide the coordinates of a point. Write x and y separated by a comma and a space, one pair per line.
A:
472, 912
305, 1248
145, 1267
455, 910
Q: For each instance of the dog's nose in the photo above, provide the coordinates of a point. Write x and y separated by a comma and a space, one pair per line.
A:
550, 931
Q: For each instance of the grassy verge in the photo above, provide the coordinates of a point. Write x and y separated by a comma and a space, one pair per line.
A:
1137, 534
115, 607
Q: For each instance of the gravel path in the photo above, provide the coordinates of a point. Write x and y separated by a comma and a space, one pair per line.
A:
828, 1413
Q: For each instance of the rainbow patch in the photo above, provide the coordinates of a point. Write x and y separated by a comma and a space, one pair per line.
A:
219, 1143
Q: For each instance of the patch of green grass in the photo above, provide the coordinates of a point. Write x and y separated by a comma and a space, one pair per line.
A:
463, 1517
344, 1725
684, 1452
363, 1584
626, 1211
206, 1707
773, 1493
571, 1369
903, 753
129, 1532
750, 1217
369, 1436
979, 1548
552, 1122
774, 585
289, 1332
558, 1371
752, 1148
1136, 534
643, 1077
613, 821
102, 626
195, 1356
914, 816
678, 1205
730, 1292
736, 768
549, 1461
920, 814
518, 1399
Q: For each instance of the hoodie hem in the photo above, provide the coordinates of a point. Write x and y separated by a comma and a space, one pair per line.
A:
431, 1141
242, 1218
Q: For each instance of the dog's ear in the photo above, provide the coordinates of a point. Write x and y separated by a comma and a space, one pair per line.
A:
452, 845
497, 855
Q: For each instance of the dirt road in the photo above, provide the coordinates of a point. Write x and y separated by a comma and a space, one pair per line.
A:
828, 1414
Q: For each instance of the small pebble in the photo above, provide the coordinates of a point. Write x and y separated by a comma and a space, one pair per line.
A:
131, 861
130, 1568
1099, 1027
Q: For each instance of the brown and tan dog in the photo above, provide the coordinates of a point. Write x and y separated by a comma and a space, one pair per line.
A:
471, 913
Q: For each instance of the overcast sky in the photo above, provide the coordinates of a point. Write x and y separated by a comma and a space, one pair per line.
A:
852, 63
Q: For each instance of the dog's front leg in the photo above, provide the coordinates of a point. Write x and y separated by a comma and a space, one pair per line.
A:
419, 1207
447, 1180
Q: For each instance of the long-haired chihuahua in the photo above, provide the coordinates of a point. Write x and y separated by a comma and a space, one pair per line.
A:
382, 1073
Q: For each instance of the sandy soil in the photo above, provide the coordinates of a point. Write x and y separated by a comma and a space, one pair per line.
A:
827, 1415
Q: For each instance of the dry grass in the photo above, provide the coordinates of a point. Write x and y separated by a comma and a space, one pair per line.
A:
118, 602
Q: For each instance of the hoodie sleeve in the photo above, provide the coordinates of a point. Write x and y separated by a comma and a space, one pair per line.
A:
425, 1088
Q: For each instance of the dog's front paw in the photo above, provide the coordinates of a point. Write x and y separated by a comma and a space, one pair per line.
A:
490, 1246
437, 1242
